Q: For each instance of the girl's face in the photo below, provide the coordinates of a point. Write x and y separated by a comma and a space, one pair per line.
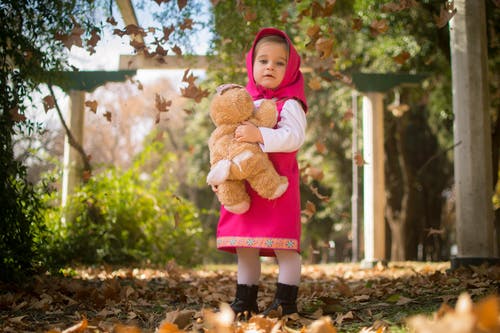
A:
270, 62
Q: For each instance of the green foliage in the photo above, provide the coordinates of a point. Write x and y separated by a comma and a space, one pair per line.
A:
127, 216
22, 227
27, 49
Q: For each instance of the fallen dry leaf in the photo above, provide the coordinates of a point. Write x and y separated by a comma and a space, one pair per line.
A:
119, 328
49, 103
447, 11
398, 6
192, 91
168, 328
314, 83
16, 116
146, 299
402, 57
80, 327
358, 158
74, 38
320, 147
378, 27
322, 325
92, 105
466, 317
314, 173
324, 46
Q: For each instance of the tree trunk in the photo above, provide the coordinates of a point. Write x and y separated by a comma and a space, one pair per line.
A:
416, 173
397, 225
495, 148
397, 193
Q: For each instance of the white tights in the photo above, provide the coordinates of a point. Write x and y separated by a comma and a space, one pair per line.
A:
289, 263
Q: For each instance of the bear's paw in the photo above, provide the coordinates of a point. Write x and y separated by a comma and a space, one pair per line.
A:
219, 172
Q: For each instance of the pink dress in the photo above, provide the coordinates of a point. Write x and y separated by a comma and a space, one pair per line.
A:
268, 224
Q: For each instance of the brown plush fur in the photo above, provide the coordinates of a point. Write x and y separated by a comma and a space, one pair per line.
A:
228, 109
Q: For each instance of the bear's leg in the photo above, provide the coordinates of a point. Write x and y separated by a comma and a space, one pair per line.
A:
233, 195
267, 182
282, 187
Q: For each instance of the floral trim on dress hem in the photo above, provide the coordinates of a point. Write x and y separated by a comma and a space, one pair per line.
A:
258, 242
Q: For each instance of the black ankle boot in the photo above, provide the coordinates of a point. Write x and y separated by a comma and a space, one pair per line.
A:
286, 298
245, 302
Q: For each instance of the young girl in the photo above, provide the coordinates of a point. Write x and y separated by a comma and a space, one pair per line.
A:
270, 227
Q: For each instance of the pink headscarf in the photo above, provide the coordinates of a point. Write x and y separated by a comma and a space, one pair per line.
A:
292, 85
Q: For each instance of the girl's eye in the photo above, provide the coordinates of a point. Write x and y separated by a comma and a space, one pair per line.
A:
281, 64
263, 62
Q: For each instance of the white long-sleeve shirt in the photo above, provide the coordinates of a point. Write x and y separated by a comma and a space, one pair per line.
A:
290, 132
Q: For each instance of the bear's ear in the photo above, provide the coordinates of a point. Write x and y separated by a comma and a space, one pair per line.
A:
223, 87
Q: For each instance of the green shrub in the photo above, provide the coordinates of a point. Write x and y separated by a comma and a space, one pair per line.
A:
22, 228
128, 216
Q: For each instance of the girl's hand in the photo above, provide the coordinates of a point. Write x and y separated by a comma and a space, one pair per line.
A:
248, 132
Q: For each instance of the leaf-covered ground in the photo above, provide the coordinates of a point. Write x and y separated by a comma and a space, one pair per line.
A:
333, 297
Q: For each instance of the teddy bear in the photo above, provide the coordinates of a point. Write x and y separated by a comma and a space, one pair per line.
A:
234, 163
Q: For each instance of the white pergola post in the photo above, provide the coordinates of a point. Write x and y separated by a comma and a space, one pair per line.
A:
355, 196
374, 181
472, 133
73, 163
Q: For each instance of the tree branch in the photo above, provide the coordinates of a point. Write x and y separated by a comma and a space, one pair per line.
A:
71, 139
433, 157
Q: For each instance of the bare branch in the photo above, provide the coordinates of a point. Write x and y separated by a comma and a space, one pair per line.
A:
71, 139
